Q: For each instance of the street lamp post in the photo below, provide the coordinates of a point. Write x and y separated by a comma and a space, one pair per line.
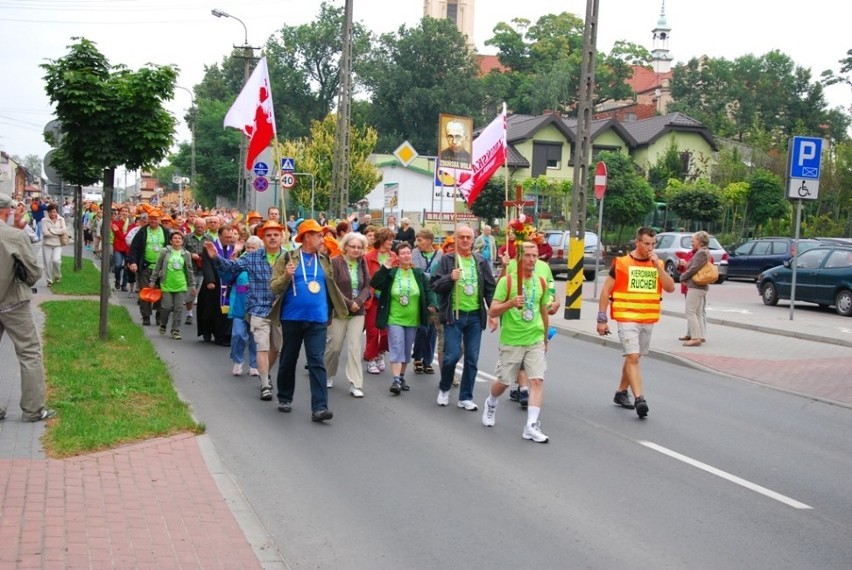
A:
248, 53
192, 143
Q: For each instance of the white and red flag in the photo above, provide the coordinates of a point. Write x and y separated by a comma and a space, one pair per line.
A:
252, 113
489, 154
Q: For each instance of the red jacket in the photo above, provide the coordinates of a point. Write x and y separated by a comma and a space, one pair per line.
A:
119, 236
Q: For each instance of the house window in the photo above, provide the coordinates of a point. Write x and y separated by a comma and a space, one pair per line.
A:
685, 158
453, 12
546, 156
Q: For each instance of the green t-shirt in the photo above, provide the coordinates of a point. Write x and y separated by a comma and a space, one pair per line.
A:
174, 278
155, 242
467, 287
542, 269
514, 329
404, 289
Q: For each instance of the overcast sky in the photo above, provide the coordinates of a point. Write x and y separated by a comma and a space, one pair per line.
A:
183, 32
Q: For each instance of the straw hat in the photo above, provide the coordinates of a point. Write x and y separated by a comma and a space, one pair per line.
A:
150, 294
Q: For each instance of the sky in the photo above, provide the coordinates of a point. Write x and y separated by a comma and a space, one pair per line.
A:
185, 33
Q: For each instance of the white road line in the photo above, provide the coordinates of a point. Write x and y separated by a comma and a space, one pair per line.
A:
480, 375
725, 475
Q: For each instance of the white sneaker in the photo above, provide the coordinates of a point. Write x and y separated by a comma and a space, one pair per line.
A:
238, 370
488, 415
381, 362
468, 405
443, 398
254, 372
534, 433
373, 368
329, 383
356, 392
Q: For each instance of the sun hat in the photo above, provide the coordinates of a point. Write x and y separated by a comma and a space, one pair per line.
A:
307, 226
270, 225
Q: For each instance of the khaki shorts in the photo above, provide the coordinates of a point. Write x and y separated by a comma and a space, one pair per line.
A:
635, 338
510, 358
267, 335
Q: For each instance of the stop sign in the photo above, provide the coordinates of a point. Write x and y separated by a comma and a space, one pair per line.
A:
600, 180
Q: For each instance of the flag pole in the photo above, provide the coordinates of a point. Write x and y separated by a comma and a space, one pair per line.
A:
505, 174
277, 153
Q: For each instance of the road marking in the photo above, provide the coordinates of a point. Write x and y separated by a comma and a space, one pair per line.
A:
480, 375
725, 475
740, 311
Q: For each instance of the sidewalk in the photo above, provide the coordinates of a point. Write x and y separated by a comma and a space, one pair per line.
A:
162, 503
810, 356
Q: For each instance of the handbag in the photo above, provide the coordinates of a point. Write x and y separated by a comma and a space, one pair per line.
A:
64, 239
707, 274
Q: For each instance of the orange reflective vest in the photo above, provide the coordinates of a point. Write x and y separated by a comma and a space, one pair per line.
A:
637, 292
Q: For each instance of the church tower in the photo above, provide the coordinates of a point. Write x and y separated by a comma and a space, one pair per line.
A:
460, 12
661, 59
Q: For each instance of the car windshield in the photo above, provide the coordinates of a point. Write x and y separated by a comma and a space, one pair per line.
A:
554, 239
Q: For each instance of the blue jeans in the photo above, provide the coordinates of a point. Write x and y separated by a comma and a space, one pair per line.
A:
424, 344
240, 337
118, 258
467, 328
313, 335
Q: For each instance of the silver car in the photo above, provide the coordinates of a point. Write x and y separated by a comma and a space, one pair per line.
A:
592, 251
673, 247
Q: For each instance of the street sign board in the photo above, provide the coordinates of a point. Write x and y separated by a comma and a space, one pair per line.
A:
260, 168
600, 180
50, 170
288, 164
405, 153
261, 183
802, 189
805, 157
288, 180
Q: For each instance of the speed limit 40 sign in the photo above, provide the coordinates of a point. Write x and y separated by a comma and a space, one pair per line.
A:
288, 180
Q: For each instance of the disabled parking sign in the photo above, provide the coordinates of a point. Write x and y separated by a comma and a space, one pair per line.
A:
805, 159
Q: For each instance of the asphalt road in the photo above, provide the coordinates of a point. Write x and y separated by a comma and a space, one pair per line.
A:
722, 474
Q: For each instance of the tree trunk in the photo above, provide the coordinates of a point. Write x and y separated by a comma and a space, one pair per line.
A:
106, 253
78, 228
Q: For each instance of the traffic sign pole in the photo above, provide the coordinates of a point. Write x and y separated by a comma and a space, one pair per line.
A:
600, 191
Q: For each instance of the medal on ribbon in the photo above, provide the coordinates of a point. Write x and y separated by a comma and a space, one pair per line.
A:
314, 287
468, 289
403, 300
527, 315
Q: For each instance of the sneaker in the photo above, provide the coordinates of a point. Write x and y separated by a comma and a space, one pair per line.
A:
285, 407
524, 398
395, 388
488, 415
266, 394
162, 329
405, 387
515, 394
533, 432
356, 392
381, 363
329, 383
373, 368
468, 405
238, 370
443, 398
176, 335
44, 414
641, 407
254, 372
146, 321
321, 415
188, 320
623, 399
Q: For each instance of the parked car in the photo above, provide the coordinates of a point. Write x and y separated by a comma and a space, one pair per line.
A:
672, 247
823, 276
592, 250
757, 255
834, 240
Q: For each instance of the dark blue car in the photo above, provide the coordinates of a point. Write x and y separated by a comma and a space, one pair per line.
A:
757, 255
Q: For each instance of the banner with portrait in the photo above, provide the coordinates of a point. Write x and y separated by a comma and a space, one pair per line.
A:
455, 141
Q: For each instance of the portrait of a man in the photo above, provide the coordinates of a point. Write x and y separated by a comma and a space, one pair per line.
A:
456, 142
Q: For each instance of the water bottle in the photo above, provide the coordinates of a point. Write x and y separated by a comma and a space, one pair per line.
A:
551, 332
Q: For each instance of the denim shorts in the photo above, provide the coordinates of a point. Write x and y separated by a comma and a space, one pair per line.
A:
400, 342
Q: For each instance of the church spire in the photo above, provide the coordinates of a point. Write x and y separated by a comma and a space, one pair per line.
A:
661, 59
460, 12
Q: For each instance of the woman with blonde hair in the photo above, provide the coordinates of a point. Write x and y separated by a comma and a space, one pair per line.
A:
52, 229
696, 295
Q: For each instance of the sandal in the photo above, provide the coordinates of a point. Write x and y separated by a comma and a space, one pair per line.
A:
685, 337
428, 369
418, 367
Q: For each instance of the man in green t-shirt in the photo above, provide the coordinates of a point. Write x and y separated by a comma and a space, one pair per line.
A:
521, 301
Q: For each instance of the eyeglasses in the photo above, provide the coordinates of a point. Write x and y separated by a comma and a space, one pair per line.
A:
465, 237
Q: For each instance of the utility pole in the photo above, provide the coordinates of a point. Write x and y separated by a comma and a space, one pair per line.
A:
574, 287
339, 193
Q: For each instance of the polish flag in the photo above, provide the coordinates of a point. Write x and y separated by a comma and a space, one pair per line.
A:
252, 113
489, 154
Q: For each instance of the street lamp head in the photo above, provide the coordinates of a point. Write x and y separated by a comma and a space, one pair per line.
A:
219, 13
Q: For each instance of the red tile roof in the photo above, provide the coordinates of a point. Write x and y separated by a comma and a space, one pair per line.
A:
489, 62
645, 80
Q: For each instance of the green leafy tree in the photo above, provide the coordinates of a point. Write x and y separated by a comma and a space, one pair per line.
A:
699, 203
489, 203
413, 76
110, 116
629, 197
765, 199
669, 166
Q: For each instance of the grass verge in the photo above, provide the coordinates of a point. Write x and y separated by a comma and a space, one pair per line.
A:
87, 281
106, 393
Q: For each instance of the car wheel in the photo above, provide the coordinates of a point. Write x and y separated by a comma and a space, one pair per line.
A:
670, 269
769, 294
843, 303
589, 275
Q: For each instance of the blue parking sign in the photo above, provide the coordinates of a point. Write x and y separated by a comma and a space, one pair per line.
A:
805, 157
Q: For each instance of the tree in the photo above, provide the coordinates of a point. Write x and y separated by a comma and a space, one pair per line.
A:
629, 197
669, 166
489, 203
765, 199
110, 116
31, 162
697, 203
314, 154
413, 76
